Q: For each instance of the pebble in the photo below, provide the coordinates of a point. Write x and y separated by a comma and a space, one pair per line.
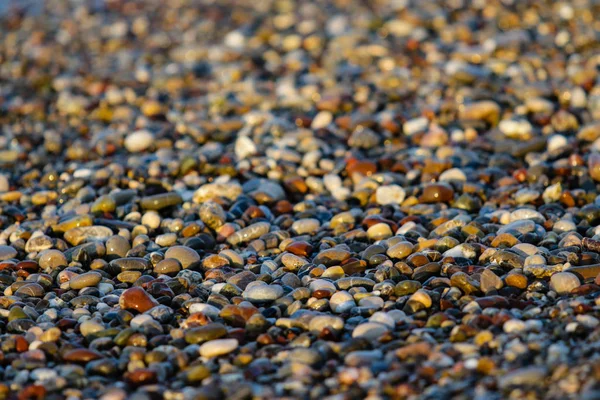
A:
374, 200
390, 194
263, 293
136, 299
85, 280
138, 141
564, 282
185, 255
217, 348
341, 302
370, 331
7, 252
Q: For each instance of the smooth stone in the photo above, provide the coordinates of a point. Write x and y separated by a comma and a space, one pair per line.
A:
7, 252
321, 120
400, 250
130, 264
331, 257
167, 266
90, 327
379, 231
160, 201
341, 302
350, 282
81, 355
87, 279
137, 299
185, 255
210, 191
453, 174
219, 347
4, 183
370, 331
138, 141
526, 376
293, 262
51, 259
306, 226
437, 193
564, 282
320, 322
374, 302
166, 239
117, 246
390, 194
83, 234
30, 290
384, 318
249, 233
263, 293
205, 333
139, 321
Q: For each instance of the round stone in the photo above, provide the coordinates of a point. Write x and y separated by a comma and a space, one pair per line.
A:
85, 280
390, 194
138, 141
185, 255
51, 259
341, 302
564, 282
117, 246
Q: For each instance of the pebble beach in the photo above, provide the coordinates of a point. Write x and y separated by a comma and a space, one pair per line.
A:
293, 199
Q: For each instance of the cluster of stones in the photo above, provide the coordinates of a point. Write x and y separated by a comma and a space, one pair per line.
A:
298, 199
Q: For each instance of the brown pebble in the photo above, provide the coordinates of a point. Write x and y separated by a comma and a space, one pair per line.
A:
437, 193
137, 299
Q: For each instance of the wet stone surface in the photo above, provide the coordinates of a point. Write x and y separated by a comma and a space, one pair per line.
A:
298, 199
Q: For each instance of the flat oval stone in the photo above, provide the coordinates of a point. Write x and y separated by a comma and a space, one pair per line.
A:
437, 193
370, 331
205, 333
263, 293
249, 233
83, 234
306, 225
331, 257
87, 279
81, 355
168, 266
350, 282
160, 201
7, 252
138, 141
400, 250
130, 264
30, 290
293, 262
219, 347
